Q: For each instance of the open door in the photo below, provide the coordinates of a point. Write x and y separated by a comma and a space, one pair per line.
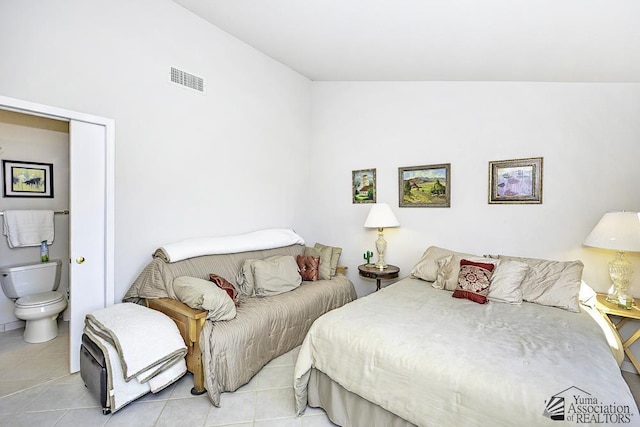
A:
87, 271
91, 218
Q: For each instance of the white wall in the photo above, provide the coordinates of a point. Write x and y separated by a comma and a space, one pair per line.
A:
237, 158
34, 139
588, 135
187, 164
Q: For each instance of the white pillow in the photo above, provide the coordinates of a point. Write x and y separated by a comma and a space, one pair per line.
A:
427, 267
552, 283
205, 295
506, 280
275, 276
244, 278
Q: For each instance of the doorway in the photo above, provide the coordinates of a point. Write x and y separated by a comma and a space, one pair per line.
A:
91, 216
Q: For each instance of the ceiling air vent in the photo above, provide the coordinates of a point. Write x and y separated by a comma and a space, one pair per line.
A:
187, 80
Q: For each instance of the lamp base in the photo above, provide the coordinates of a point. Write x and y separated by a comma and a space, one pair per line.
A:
381, 247
381, 265
620, 271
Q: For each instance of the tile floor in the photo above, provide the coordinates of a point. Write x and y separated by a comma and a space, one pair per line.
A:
36, 390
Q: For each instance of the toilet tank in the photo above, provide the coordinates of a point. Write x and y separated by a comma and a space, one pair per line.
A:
27, 279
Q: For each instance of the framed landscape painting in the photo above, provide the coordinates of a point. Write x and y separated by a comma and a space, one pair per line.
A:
425, 186
515, 181
363, 186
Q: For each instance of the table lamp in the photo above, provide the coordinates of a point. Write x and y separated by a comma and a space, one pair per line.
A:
620, 232
381, 216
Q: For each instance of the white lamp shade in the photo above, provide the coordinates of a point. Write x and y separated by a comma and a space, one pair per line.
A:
618, 231
381, 216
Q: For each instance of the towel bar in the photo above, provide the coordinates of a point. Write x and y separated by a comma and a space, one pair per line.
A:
64, 212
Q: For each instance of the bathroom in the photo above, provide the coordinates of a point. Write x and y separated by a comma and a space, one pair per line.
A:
28, 138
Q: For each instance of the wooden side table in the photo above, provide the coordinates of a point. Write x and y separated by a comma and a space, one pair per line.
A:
610, 309
370, 271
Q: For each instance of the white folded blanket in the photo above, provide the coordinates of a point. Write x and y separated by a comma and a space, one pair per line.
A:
147, 341
121, 392
254, 241
28, 227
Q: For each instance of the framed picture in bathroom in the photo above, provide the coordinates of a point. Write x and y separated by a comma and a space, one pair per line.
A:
27, 179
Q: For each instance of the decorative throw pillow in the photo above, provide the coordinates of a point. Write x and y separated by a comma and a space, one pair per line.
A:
201, 294
224, 284
329, 258
308, 266
449, 268
474, 281
275, 276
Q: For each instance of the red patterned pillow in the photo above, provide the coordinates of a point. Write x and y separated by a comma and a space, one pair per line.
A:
226, 286
308, 266
474, 280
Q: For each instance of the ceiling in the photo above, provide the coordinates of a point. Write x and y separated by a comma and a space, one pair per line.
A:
439, 40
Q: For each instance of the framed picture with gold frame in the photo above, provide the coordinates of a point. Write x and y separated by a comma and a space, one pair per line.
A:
363, 186
426, 186
515, 181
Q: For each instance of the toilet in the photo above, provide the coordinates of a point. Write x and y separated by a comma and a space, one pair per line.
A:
33, 288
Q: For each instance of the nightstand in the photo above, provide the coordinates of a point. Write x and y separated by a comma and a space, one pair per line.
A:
370, 271
610, 309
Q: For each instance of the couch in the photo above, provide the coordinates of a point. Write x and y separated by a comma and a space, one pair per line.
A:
227, 347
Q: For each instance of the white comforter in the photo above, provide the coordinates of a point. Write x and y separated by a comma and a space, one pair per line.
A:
435, 360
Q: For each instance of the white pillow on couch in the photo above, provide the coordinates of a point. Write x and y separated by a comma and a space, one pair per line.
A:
276, 275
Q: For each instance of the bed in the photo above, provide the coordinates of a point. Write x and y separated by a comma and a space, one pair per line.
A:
411, 354
228, 344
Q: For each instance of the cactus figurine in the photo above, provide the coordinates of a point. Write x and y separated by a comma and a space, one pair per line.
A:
367, 256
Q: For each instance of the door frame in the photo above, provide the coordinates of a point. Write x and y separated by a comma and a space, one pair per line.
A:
35, 109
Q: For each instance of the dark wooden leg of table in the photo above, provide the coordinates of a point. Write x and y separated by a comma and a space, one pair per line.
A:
378, 284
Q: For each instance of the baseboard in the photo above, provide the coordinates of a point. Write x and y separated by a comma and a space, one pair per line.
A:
12, 325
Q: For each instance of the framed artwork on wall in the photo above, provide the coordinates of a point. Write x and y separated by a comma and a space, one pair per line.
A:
425, 186
515, 181
27, 179
363, 186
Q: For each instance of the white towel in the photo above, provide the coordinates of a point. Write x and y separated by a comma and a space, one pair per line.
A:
28, 227
254, 241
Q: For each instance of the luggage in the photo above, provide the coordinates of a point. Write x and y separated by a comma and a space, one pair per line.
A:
94, 372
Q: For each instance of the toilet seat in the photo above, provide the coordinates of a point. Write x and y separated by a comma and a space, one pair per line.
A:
39, 300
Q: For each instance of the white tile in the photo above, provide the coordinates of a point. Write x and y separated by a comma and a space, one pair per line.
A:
16, 403
138, 414
283, 360
316, 421
275, 403
63, 396
238, 407
39, 419
187, 412
83, 417
280, 422
274, 377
